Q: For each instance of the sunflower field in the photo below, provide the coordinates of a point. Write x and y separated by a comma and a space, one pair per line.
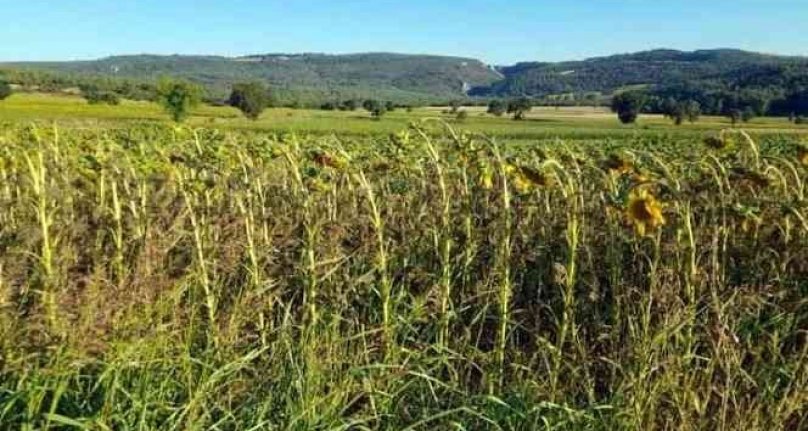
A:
168, 278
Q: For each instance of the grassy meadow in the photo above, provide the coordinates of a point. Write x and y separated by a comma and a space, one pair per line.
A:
321, 270
542, 123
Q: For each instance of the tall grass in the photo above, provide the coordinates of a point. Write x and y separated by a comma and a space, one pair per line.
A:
161, 278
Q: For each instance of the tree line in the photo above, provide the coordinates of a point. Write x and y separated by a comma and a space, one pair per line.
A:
757, 96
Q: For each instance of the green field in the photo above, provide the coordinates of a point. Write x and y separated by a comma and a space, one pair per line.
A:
320, 270
540, 124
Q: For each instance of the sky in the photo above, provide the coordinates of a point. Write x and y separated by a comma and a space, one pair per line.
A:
497, 32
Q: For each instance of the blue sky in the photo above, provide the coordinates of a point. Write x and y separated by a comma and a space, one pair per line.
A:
499, 32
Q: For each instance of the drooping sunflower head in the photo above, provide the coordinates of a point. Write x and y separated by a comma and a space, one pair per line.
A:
644, 211
802, 155
536, 177
718, 142
749, 178
617, 165
325, 159
525, 179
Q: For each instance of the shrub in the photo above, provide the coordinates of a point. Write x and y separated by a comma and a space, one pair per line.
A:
251, 98
95, 96
497, 107
519, 107
178, 97
349, 105
5, 90
628, 105
376, 108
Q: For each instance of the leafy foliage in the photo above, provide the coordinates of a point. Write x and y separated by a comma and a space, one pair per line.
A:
96, 96
178, 97
376, 108
5, 90
497, 107
628, 105
519, 107
250, 98
719, 80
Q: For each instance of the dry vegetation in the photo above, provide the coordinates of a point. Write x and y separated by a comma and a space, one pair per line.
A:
171, 278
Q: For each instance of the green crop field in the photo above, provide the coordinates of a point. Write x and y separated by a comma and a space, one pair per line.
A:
540, 123
321, 270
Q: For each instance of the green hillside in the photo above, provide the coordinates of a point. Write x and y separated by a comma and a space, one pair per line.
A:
659, 68
301, 76
719, 80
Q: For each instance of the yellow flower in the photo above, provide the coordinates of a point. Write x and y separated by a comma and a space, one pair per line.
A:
486, 177
520, 183
644, 211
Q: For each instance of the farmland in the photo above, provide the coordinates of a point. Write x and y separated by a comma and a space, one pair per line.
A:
324, 270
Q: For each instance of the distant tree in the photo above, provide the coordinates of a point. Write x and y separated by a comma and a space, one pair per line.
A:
389, 106
629, 105
734, 115
461, 116
792, 117
497, 107
376, 108
5, 90
95, 96
350, 105
591, 99
679, 111
328, 106
676, 112
251, 98
369, 104
454, 106
693, 110
748, 114
178, 97
519, 108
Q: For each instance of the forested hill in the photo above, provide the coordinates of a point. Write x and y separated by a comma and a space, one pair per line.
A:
304, 76
719, 80
725, 68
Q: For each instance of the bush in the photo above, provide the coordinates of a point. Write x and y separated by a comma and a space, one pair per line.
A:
5, 90
748, 115
94, 96
376, 108
349, 105
519, 107
800, 120
462, 115
251, 98
629, 105
178, 97
497, 107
